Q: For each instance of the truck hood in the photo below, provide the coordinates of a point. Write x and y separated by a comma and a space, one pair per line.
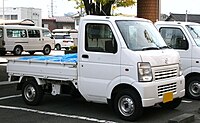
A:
160, 57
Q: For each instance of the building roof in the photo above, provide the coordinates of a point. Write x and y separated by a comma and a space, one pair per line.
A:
182, 17
63, 19
17, 22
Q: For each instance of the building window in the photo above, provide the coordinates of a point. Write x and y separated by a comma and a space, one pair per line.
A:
14, 17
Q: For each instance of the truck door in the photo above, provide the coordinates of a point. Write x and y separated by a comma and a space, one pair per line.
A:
99, 60
175, 38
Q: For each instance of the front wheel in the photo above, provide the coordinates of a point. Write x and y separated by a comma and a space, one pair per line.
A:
172, 104
46, 50
18, 50
128, 105
192, 87
32, 93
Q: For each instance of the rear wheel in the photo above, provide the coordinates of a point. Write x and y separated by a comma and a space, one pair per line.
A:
58, 47
128, 105
17, 50
192, 87
46, 50
32, 93
172, 104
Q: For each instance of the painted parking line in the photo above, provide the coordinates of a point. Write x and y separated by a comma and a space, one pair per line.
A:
51, 113
186, 101
8, 97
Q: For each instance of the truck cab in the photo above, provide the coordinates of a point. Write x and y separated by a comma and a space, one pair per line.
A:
184, 37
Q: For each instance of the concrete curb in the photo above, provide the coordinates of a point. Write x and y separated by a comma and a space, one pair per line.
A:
8, 83
184, 118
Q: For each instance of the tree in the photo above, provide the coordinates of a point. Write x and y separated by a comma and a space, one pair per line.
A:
102, 7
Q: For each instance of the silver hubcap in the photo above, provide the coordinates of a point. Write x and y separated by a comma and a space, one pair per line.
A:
29, 93
195, 89
18, 50
126, 105
47, 50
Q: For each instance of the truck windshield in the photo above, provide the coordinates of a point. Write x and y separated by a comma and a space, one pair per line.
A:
140, 35
195, 32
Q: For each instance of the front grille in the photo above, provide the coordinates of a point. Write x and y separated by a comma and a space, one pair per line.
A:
166, 73
166, 88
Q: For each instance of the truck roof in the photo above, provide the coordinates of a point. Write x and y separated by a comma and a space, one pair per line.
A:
112, 18
175, 23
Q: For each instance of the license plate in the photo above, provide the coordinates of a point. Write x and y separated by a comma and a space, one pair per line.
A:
167, 97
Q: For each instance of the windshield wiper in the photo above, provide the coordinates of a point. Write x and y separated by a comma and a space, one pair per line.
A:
150, 48
165, 47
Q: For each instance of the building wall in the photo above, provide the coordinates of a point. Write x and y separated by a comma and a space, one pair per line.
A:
51, 23
149, 9
22, 13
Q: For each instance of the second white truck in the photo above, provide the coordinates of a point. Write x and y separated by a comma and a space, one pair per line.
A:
122, 61
185, 38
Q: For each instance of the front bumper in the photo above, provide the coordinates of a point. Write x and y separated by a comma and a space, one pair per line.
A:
152, 92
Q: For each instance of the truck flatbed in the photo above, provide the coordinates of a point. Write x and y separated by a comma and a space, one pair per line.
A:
46, 67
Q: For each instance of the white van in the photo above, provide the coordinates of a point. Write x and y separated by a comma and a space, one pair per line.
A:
31, 39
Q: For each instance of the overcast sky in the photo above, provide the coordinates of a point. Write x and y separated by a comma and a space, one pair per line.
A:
64, 6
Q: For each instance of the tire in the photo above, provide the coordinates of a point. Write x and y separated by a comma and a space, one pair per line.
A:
17, 50
58, 47
172, 104
31, 52
32, 93
192, 87
128, 105
46, 50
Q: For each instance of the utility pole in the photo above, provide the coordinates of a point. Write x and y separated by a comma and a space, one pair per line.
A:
186, 16
3, 14
52, 8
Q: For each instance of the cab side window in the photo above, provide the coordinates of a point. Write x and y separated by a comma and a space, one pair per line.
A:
174, 38
34, 33
100, 38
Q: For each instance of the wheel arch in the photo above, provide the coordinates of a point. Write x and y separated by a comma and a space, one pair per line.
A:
122, 86
191, 74
29, 78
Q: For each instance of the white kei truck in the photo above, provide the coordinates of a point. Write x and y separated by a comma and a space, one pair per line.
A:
184, 37
122, 61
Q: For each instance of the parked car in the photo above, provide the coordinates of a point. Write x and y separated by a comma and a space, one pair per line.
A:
63, 40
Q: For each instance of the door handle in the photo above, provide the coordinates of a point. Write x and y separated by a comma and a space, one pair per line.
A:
85, 56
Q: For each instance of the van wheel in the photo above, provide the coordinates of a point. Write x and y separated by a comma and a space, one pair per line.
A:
46, 50
17, 50
192, 87
58, 47
172, 104
31, 52
32, 93
128, 105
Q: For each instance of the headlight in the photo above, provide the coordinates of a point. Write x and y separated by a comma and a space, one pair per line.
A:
180, 70
144, 72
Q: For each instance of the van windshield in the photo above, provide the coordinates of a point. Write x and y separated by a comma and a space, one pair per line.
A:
195, 32
140, 35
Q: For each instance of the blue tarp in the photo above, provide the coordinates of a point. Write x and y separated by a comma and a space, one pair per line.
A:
56, 58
